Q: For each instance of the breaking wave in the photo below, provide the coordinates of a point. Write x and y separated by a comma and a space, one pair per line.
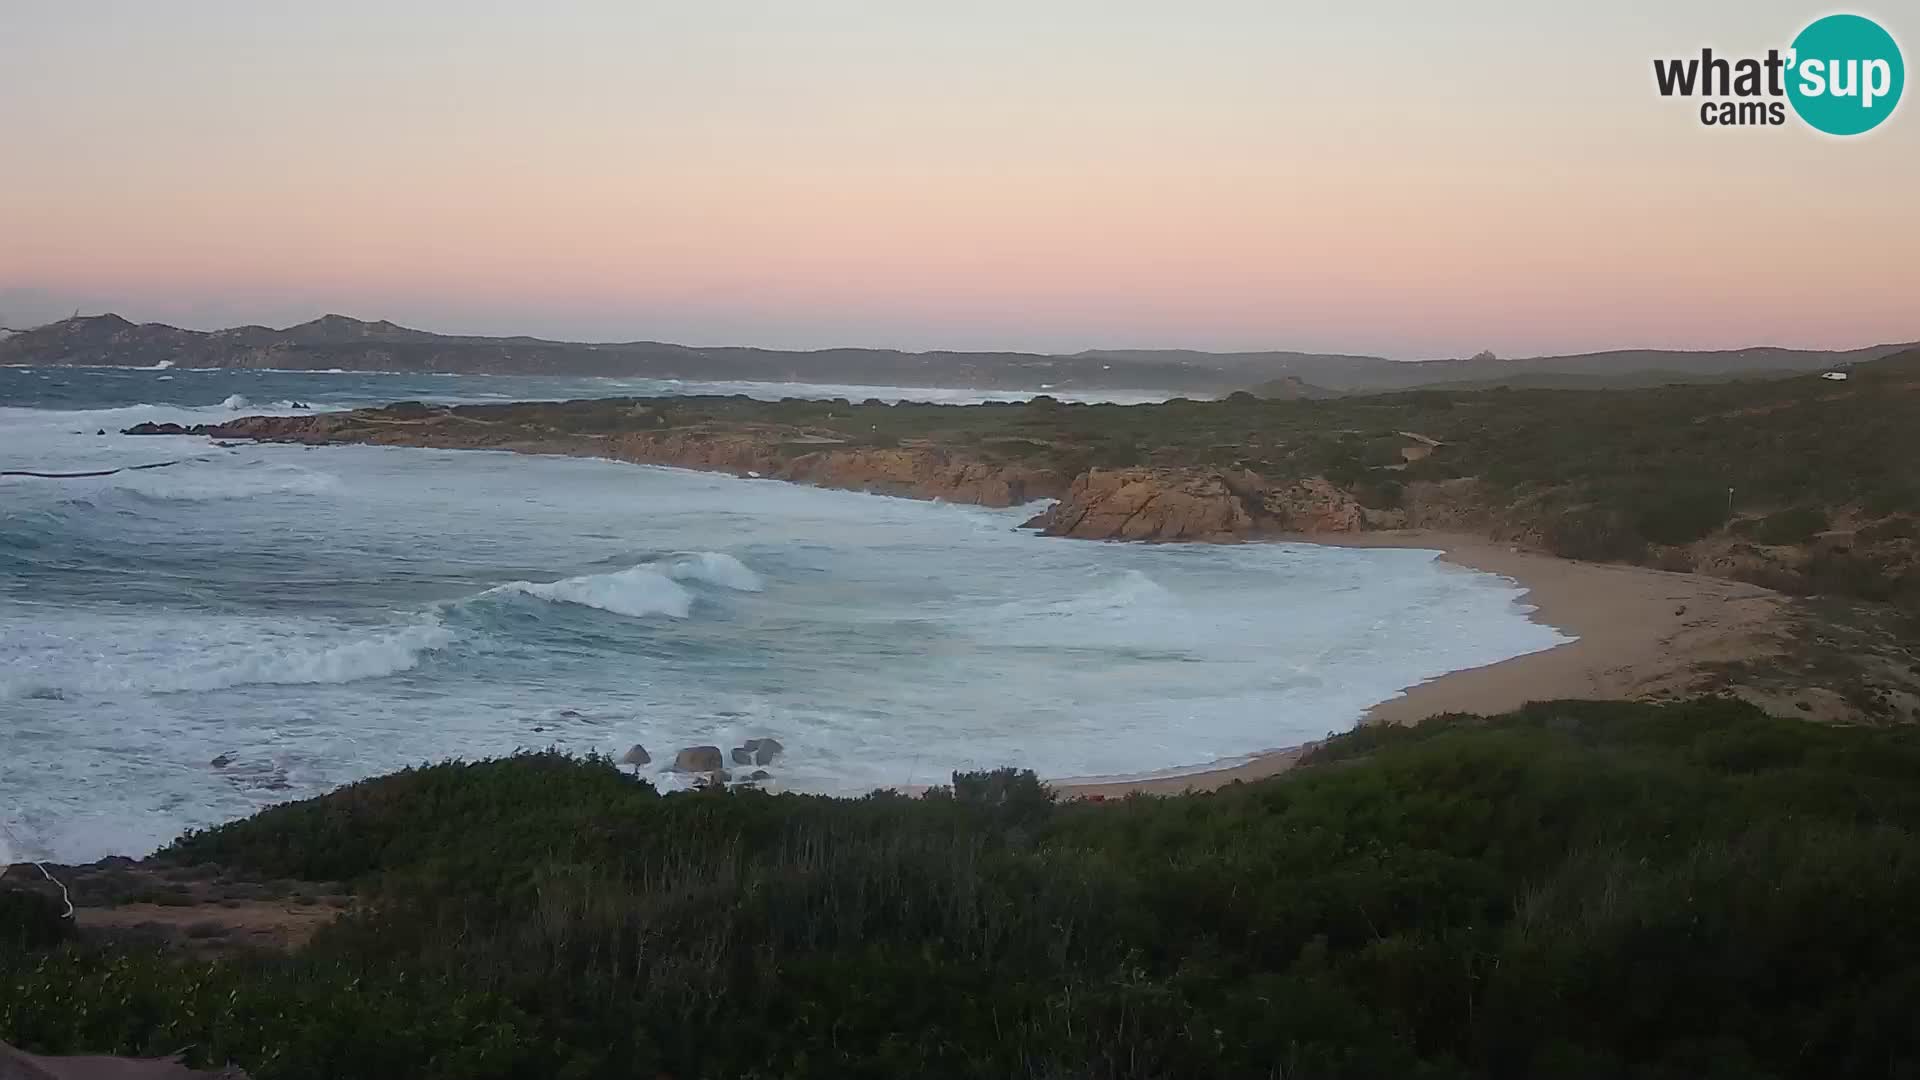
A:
156, 669
712, 567
645, 590
636, 593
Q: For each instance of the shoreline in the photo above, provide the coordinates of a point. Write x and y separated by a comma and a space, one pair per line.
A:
1639, 633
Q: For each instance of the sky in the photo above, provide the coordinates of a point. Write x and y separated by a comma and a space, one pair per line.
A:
1397, 177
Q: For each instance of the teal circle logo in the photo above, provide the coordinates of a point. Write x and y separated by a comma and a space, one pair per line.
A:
1845, 75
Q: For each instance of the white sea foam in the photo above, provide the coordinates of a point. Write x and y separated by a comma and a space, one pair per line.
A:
64, 657
235, 402
198, 482
372, 657
636, 592
713, 568
645, 590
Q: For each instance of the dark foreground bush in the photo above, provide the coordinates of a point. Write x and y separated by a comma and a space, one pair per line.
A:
1577, 889
29, 920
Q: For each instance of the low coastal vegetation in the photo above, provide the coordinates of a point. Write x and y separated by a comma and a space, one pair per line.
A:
1801, 484
1576, 889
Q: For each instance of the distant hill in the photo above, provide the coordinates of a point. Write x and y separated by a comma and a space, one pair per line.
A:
1625, 369
337, 341
1290, 388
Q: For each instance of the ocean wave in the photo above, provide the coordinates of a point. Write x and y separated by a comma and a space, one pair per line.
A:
636, 592
235, 402
1127, 611
151, 667
645, 590
713, 568
218, 484
1130, 593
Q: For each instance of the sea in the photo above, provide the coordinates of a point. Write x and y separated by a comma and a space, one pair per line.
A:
250, 624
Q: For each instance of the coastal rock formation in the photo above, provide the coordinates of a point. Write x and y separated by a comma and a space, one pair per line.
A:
917, 470
1314, 505
1139, 503
757, 752
699, 759
1188, 505
1151, 504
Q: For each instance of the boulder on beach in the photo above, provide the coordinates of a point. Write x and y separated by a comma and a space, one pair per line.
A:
701, 759
636, 757
762, 751
759, 774
741, 755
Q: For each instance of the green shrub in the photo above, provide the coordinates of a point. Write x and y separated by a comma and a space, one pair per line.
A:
1680, 516
1595, 534
30, 920
1794, 526
1625, 889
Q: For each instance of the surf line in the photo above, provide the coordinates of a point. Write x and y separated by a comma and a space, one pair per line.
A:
99, 472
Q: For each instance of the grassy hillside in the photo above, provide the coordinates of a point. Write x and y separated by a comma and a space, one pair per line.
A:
1577, 889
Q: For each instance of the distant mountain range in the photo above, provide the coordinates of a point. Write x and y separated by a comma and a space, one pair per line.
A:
336, 341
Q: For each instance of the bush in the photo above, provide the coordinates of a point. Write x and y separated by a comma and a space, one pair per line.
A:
30, 920
1681, 516
1626, 889
1594, 534
1795, 526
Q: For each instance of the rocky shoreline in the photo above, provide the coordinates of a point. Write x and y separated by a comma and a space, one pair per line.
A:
1139, 503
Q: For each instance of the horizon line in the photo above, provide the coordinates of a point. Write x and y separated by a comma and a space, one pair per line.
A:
1090, 350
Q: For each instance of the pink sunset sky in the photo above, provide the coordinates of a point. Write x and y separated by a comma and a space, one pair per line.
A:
1403, 178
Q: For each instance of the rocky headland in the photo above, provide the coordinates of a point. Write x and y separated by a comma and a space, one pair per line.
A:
1147, 503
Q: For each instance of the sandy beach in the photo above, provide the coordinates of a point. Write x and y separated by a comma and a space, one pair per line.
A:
1641, 633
